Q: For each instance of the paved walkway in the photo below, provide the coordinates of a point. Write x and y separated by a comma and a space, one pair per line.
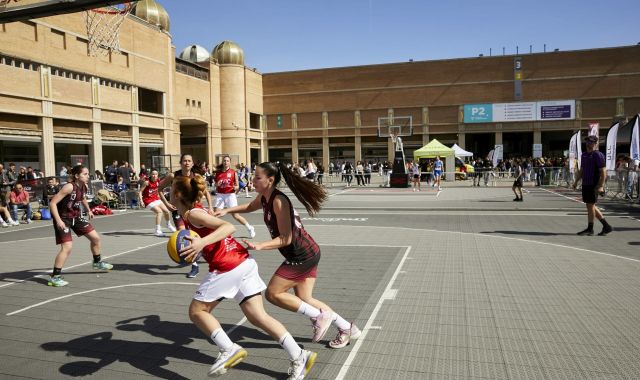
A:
464, 284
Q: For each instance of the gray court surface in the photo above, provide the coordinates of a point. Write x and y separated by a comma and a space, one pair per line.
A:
461, 284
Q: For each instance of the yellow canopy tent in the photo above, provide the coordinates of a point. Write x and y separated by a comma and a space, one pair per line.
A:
432, 149
436, 148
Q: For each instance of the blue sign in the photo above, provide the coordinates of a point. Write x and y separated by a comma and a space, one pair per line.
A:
555, 112
478, 113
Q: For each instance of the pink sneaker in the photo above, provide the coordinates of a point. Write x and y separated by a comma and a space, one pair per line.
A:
320, 325
344, 336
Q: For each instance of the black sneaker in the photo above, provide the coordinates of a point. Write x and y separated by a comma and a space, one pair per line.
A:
520, 199
586, 232
605, 230
516, 199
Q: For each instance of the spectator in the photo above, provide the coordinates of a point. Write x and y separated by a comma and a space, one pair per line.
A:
98, 175
144, 173
12, 177
120, 186
111, 172
50, 190
125, 172
19, 199
63, 171
4, 181
7, 221
22, 174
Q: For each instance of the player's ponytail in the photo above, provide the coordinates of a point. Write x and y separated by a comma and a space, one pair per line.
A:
191, 190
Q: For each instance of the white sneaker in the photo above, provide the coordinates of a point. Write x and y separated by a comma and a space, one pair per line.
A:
159, 233
14, 223
227, 359
171, 227
252, 232
29, 221
4, 224
302, 365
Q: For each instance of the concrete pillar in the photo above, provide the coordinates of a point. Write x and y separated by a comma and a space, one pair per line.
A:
96, 147
537, 133
425, 125
357, 137
233, 105
294, 139
47, 147
325, 140
134, 153
462, 139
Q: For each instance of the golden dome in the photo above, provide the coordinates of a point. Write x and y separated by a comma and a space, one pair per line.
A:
153, 13
228, 53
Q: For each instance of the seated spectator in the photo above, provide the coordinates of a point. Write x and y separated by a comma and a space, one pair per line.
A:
120, 186
19, 199
6, 220
98, 175
50, 190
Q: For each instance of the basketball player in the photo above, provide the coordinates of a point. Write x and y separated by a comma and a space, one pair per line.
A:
301, 253
65, 212
233, 274
186, 170
226, 181
151, 200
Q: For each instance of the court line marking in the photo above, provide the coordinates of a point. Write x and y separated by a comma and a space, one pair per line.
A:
483, 235
96, 290
369, 325
49, 225
85, 263
101, 233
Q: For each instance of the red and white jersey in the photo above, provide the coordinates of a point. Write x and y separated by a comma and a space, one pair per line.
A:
225, 181
223, 255
150, 192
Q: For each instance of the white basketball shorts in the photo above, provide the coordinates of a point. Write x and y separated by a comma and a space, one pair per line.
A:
241, 282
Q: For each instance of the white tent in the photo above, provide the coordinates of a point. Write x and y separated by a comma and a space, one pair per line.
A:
459, 152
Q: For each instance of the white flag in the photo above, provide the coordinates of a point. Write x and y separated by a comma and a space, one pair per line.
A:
635, 140
612, 139
497, 154
573, 150
579, 150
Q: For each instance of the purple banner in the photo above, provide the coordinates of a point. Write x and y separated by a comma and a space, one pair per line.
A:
555, 112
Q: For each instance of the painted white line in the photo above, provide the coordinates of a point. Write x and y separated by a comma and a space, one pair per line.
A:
97, 290
475, 234
368, 326
48, 223
240, 323
85, 263
563, 196
101, 233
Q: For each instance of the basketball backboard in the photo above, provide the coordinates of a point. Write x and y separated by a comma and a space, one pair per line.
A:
395, 126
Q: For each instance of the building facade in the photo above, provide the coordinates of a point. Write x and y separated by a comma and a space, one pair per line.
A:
147, 105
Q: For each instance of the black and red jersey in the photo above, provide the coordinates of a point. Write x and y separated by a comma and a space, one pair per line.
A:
302, 247
69, 206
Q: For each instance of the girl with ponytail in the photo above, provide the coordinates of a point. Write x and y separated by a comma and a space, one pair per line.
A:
233, 274
300, 251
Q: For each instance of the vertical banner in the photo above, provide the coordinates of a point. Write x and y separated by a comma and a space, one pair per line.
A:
497, 154
635, 140
517, 78
573, 150
612, 139
579, 150
594, 130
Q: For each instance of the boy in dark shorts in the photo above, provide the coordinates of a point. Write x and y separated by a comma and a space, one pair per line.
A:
593, 173
517, 183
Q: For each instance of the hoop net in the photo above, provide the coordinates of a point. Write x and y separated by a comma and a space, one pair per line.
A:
103, 28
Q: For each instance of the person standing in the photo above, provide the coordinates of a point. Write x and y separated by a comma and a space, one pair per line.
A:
233, 274
300, 251
415, 174
226, 182
437, 172
150, 199
517, 183
593, 173
65, 213
187, 169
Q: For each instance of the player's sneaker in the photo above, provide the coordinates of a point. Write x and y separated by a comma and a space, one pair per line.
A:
101, 265
344, 336
227, 359
159, 233
4, 224
29, 221
252, 231
57, 281
14, 223
301, 366
195, 269
320, 325
171, 227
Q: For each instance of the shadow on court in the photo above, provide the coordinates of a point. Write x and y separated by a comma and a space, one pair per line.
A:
150, 357
529, 233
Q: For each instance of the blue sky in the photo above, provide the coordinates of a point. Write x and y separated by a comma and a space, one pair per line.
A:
287, 35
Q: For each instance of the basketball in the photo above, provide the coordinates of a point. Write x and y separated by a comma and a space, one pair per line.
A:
177, 242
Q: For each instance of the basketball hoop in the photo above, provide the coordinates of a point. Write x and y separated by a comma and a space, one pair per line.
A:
103, 28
